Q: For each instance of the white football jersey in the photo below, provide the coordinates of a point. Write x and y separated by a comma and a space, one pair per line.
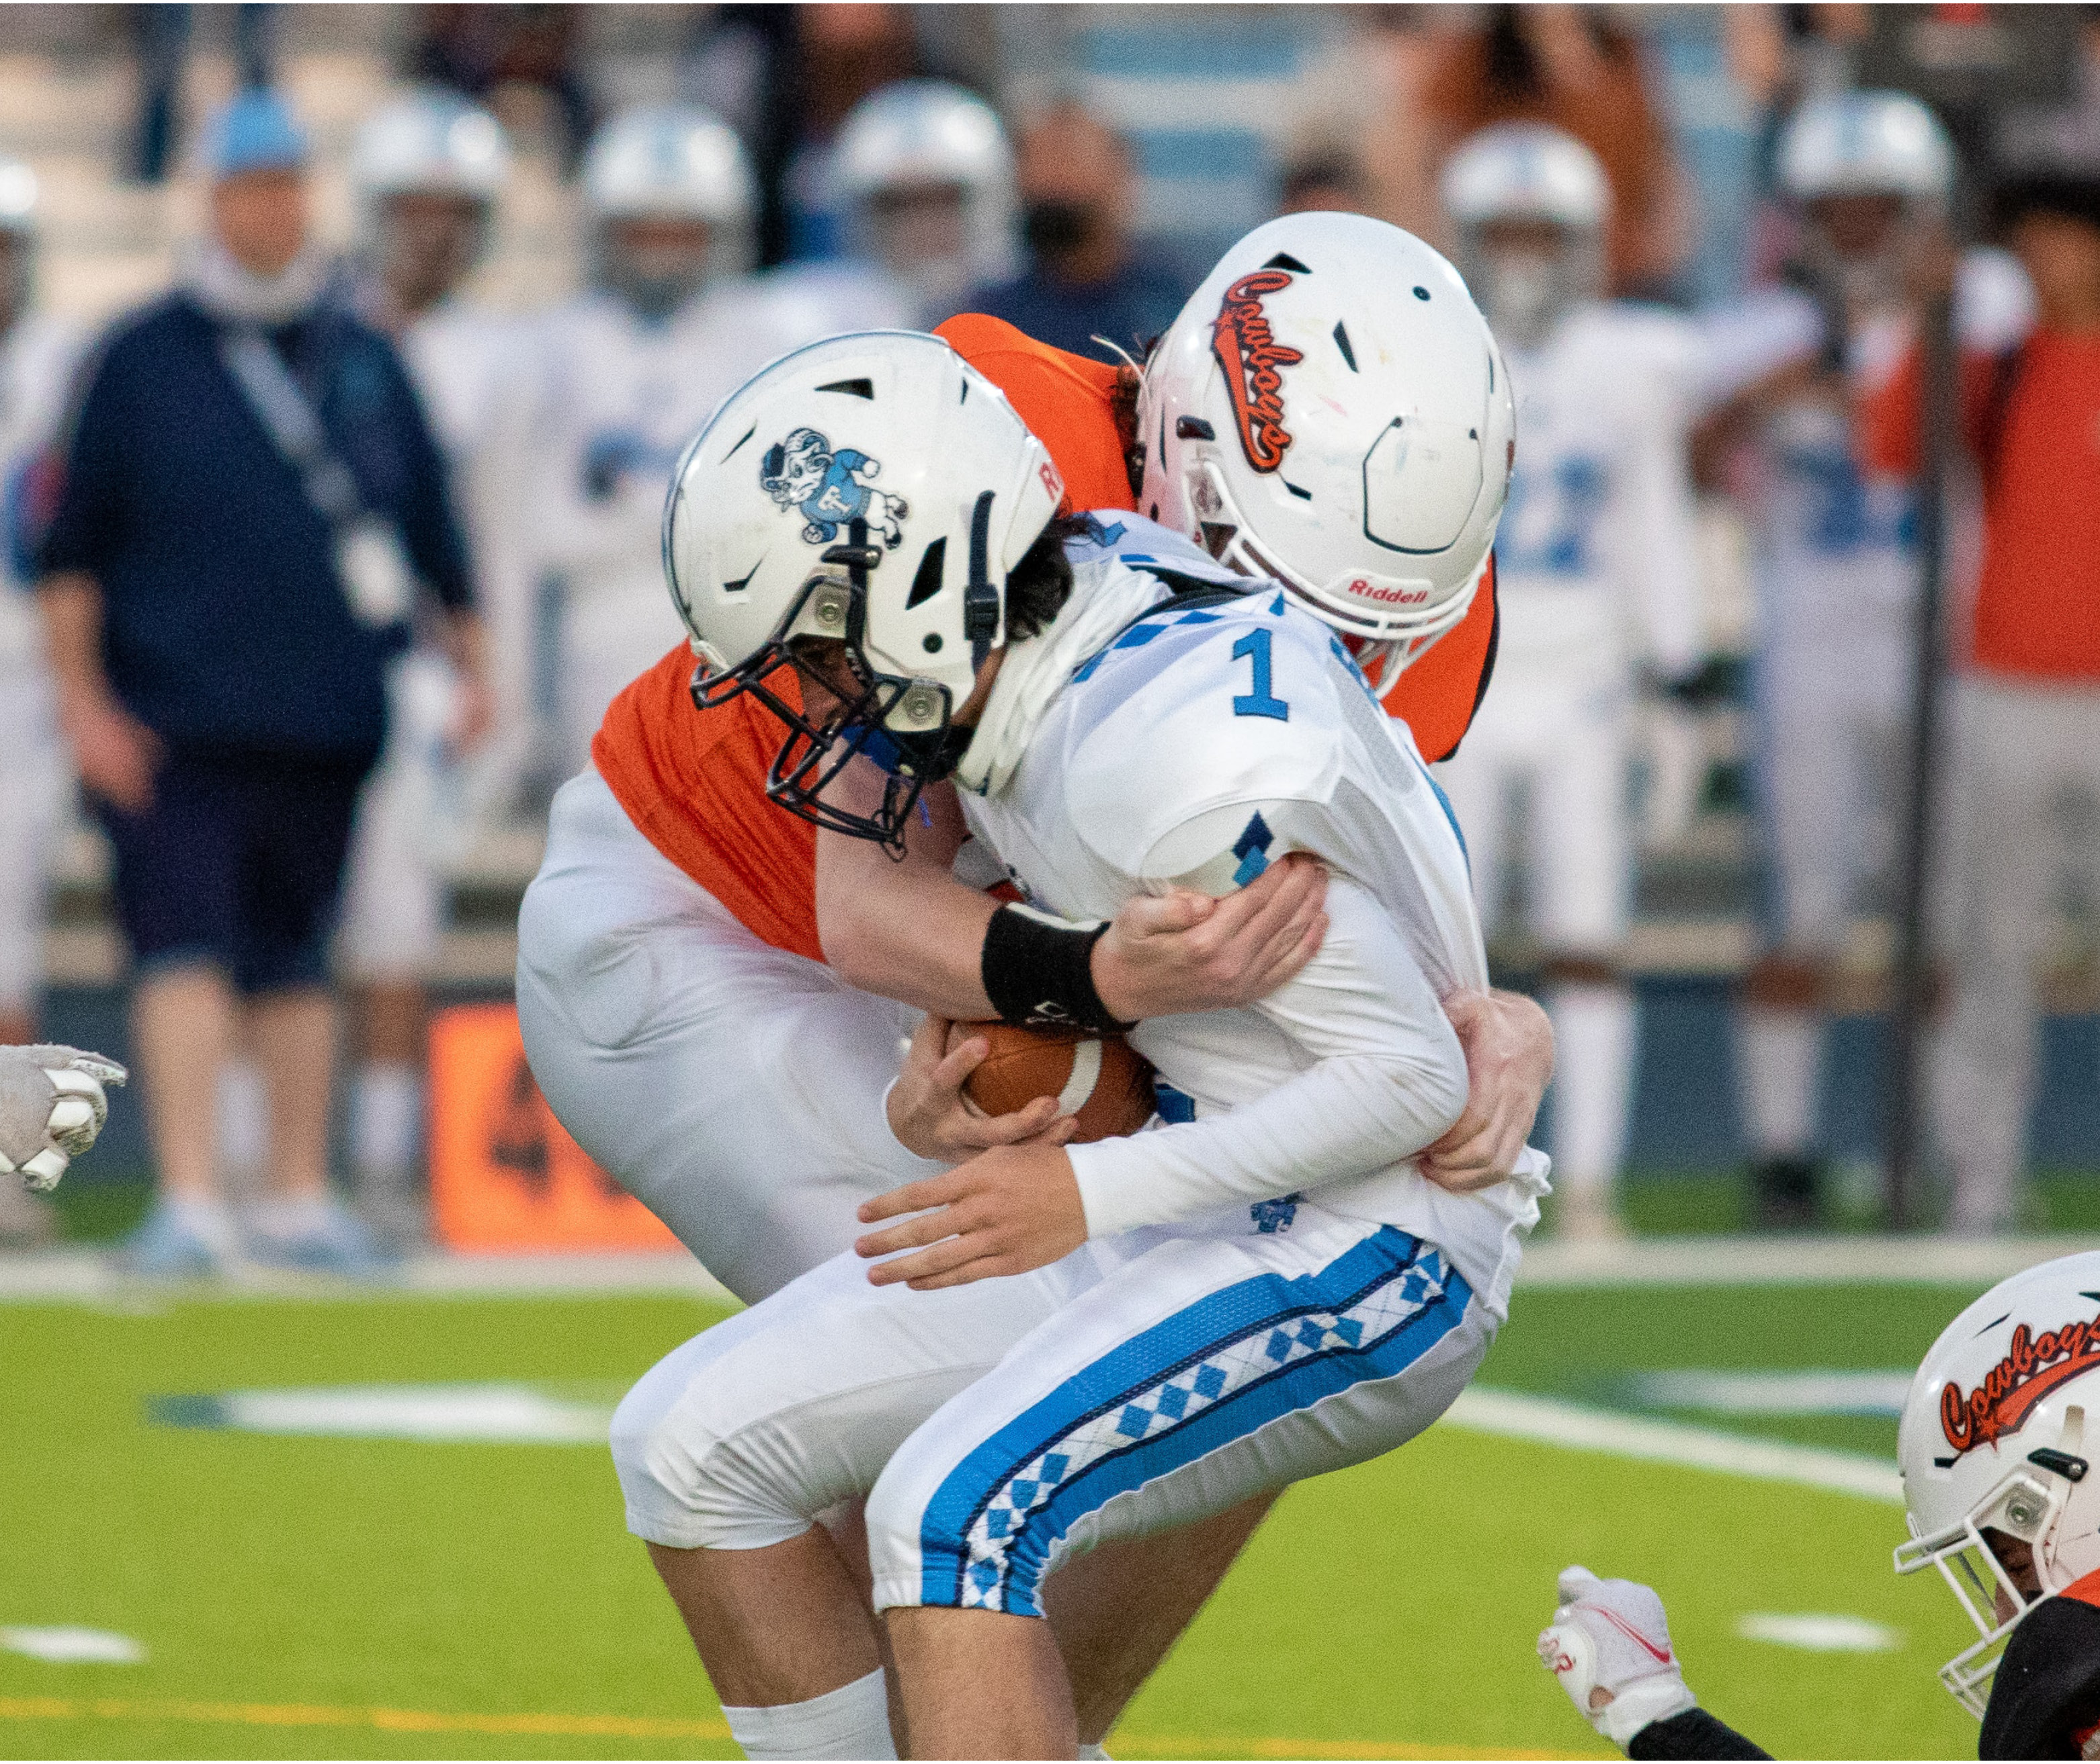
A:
38, 356
1836, 543
1596, 557
1203, 741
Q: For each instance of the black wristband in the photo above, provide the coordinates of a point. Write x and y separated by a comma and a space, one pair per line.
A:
1037, 970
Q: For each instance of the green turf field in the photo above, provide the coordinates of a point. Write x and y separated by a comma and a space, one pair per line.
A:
347, 1597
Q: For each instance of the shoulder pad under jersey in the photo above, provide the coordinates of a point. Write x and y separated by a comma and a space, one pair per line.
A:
1142, 544
1194, 718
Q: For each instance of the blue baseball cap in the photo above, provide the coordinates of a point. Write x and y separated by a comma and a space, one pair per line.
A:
255, 132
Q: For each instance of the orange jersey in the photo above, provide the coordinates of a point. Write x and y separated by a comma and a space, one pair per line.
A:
2037, 436
693, 780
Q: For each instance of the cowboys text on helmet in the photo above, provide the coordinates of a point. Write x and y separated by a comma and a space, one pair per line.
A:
1330, 409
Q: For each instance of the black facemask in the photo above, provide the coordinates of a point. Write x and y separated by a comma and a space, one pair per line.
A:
1054, 224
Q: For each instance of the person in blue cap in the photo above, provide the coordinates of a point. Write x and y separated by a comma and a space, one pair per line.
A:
251, 519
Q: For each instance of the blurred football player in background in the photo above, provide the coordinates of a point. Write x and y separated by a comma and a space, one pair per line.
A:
37, 355
1992, 1445
1597, 567
429, 170
922, 178
666, 328
1837, 572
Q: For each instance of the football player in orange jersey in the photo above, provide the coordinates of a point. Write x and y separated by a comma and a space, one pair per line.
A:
673, 986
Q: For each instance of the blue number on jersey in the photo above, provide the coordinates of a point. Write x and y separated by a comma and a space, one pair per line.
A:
1556, 541
1260, 702
1842, 518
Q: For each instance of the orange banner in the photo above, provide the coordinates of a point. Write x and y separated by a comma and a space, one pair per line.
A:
503, 1174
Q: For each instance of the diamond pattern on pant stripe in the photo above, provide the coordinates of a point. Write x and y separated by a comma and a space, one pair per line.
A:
1191, 1391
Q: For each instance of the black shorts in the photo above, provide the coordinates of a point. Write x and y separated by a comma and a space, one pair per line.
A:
238, 864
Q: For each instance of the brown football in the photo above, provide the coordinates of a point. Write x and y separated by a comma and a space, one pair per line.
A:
1101, 1078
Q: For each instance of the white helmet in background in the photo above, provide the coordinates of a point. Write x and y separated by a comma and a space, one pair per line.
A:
1865, 144
1330, 409
871, 491
1994, 1440
1525, 174
18, 197
18, 234
430, 142
924, 173
668, 162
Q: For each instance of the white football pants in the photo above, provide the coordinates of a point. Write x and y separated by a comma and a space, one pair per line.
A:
1550, 751
735, 1089
1142, 1383
394, 894
33, 796
2025, 819
1831, 728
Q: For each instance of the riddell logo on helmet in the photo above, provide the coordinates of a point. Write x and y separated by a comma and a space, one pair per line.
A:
1363, 589
2033, 1366
1252, 357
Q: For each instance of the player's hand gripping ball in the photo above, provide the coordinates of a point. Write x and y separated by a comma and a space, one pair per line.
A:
1100, 1080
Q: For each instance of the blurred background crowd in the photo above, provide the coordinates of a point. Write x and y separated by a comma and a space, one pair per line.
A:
275, 745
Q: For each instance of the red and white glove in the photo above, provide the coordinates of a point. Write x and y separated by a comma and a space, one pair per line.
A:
1609, 1644
52, 1105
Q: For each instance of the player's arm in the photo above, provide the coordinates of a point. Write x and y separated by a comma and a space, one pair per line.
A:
1508, 1044
907, 929
2045, 1693
1387, 1079
1608, 1645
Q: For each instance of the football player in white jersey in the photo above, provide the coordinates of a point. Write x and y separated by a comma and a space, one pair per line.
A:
429, 170
37, 354
668, 327
1596, 572
1837, 572
1133, 1335
922, 176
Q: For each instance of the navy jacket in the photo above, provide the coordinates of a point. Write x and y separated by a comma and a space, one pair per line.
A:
224, 624
1132, 307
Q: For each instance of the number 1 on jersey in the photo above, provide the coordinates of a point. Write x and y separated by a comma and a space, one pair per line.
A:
1260, 702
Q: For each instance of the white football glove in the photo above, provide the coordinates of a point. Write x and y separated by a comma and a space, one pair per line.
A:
1609, 1644
52, 1105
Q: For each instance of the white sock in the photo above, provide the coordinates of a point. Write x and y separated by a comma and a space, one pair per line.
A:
1593, 1028
852, 1722
1782, 1054
1095, 1750
244, 1125
387, 1120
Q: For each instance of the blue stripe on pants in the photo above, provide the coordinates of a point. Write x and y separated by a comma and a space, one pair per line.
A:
1215, 1372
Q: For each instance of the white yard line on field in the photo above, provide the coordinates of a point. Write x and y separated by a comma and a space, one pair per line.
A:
1978, 1262
1514, 1415
90, 1276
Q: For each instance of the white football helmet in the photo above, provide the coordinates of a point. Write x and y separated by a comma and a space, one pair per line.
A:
18, 234
675, 162
18, 197
918, 139
872, 490
1994, 1440
1525, 172
431, 141
1330, 409
1865, 144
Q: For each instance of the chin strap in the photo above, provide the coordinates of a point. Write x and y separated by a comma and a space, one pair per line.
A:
981, 596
